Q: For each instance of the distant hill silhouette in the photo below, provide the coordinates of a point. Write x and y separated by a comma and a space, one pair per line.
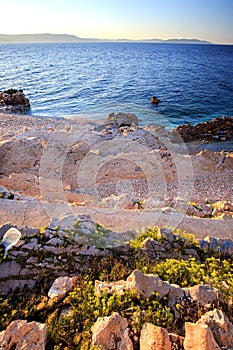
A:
29, 38
187, 41
47, 37
177, 41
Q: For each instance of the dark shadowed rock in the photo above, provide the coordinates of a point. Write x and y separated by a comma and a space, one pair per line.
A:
154, 100
14, 101
218, 129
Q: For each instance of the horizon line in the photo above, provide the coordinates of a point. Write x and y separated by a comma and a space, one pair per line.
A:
118, 39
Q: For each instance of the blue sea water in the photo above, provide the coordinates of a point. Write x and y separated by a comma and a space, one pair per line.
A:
193, 82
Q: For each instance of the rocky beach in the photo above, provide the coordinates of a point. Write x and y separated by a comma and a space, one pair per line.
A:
66, 167
80, 192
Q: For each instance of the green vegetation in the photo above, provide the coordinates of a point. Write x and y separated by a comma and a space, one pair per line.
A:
96, 238
194, 205
152, 232
72, 330
87, 307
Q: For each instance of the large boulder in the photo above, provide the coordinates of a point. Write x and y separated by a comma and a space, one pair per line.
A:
111, 333
146, 285
153, 337
137, 281
204, 294
22, 335
220, 326
199, 337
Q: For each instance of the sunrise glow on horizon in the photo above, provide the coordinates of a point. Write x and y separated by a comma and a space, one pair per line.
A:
118, 19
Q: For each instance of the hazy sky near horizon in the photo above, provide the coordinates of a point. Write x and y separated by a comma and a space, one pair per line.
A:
117, 19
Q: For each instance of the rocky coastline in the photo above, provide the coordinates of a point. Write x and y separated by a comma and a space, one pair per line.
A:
80, 192
214, 130
66, 167
14, 101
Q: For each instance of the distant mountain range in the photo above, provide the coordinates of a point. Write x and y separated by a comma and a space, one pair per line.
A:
46, 37
30, 38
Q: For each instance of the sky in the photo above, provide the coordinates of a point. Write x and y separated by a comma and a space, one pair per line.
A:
118, 19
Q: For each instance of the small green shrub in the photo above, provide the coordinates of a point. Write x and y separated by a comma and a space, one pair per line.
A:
185, 236
87, 307
152, 232
96, 238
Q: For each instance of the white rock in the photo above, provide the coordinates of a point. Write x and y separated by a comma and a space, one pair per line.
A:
61, 286
199, 337
153, 337
22, 335
110, 288
111, 333
147, 284
137, 281
204, 294
220, 326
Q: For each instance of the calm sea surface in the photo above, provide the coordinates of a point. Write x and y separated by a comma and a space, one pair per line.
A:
193, 82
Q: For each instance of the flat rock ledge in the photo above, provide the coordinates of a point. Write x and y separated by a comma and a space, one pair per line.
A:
123, 175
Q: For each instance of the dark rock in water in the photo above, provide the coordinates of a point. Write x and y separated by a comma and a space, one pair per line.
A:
14, 101
11, 91
218, 129
154, 100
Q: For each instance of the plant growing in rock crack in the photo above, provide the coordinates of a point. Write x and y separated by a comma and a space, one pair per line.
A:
136, 309
194, 205
152, 232
186, 238
98, 238
95, 238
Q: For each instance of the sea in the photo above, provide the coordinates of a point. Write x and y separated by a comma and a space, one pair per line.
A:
92, 79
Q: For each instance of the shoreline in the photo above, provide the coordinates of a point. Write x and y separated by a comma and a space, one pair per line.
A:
189, 171
12, 125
